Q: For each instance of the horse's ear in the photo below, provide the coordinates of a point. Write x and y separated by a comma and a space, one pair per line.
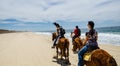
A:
112, 61
53, 33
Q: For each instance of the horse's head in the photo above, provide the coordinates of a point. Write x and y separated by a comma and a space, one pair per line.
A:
111, 62
79, 42
54, 36
72, 34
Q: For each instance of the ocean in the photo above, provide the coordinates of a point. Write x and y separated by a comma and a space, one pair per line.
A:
106, 35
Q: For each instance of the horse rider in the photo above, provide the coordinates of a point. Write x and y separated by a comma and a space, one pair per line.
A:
77, 33
90, 41
60, 33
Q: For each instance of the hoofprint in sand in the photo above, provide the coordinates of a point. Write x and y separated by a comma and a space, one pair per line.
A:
30, 49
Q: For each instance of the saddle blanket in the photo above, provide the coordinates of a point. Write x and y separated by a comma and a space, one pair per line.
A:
87, 56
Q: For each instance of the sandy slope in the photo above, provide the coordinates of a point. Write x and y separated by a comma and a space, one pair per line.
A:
29, 49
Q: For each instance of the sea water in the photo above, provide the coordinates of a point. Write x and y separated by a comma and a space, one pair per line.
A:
106, 35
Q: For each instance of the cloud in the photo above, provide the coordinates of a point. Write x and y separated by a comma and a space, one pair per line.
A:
64, 10
12, 20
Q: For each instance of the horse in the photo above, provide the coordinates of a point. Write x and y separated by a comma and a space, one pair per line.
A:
77, 43
99, 57
63, 45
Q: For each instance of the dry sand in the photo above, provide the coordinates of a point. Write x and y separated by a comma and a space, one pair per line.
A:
29, 49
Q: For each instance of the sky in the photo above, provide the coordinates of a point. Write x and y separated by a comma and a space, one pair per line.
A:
38, 15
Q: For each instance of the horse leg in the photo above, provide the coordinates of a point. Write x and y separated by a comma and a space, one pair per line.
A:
74, 47
79, 47
68, 55
57, 52
61, 54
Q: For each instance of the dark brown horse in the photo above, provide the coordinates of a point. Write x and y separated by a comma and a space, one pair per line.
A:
77, 43
63, 45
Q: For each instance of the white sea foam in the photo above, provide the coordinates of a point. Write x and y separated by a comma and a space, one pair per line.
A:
107, 38
103, 38
45, 33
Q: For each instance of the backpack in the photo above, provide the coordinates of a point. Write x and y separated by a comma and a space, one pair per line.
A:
79, 32
62, 31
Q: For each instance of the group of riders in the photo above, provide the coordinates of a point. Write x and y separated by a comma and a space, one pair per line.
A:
90, 39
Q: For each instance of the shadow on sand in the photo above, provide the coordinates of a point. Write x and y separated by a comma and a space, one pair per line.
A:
62, 62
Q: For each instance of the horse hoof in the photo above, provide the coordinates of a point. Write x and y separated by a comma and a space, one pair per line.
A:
75, 52
55, 57
61, 59
68, 63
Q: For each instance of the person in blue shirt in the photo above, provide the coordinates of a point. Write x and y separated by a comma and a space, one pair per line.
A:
90, 42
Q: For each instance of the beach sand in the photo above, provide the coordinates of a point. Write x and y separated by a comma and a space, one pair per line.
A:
30, 49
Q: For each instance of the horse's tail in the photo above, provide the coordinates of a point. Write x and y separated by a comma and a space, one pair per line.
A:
66, 47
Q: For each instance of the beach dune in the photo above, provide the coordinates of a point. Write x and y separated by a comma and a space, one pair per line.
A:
30, 49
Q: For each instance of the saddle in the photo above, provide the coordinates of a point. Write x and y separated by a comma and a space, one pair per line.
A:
87, 55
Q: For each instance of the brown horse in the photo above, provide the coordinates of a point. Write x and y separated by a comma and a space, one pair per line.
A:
100, 57
77, 43
63, 45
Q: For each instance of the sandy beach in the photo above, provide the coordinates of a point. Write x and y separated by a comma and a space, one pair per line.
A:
30, 49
